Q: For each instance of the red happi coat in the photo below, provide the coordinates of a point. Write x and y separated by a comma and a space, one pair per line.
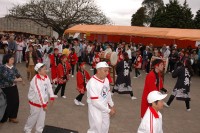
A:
80, 81
96, 59
72, 58
53, 65
150, 85
61, 73
138, 62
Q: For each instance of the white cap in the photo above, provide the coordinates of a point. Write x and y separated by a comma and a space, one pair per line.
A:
102, 64
154, 96
38, 66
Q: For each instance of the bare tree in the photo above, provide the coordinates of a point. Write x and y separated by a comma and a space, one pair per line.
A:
60, 14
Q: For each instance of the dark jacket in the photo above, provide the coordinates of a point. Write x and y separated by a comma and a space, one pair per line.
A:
34, 56
184, 77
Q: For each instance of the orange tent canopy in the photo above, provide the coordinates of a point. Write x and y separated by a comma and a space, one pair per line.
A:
170, 33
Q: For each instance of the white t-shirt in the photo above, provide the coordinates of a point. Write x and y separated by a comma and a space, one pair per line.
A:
151, 122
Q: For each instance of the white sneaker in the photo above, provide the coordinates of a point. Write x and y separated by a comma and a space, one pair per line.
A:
133, 98
76, 102
166, 105
91, 69
188, 110
72, 76
64, 97
135, 77
82, 104
55, 96
140, 75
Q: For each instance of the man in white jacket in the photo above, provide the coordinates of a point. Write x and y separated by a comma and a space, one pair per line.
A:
38, 95
100, 104
152, 120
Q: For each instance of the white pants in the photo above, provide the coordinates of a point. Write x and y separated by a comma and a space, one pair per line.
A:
37, 117
99, 122
19, 56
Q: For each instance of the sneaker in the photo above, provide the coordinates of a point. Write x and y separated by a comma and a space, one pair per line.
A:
135, 77
166, 105
140, 75
188, 110
82, 104
64, 97
133, 98
56, 96
72, 76
91, 69
76, 102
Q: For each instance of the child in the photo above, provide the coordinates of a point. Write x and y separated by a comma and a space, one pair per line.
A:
152, 120
72, 60
82, 77
138, 64
63, 72
39, 91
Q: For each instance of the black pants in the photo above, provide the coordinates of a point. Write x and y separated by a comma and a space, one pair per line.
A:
148, 67
131, 92
137, 72
12, 97
62, 87
72, 68
171, 66
171, 98
79, 97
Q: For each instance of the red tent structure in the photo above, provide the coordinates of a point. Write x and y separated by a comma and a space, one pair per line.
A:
146, 35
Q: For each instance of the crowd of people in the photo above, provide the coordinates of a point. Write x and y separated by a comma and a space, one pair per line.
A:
63, 58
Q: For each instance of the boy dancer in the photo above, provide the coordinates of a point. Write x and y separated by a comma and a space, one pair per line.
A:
39, 91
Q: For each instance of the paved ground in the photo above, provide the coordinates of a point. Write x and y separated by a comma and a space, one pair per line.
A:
66, 115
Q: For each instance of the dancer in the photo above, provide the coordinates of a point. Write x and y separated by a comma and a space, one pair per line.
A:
182, 88
82, 77
123, 82
152, 120
63, 75
100, 104
38, 95
153, 82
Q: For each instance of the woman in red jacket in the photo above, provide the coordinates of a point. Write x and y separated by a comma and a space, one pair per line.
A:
153, 82
82, 77
72, 60
63, 75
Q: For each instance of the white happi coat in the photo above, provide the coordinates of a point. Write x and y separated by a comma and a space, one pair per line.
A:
99, 99
151, 122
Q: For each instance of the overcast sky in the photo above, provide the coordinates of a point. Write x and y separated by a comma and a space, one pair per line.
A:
119, 11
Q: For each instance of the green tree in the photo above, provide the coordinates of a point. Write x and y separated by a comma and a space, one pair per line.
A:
139, 17
173, 15
60, 14
151, 7
197, 20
